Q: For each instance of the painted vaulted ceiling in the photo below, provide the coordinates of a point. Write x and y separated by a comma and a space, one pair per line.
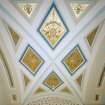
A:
52, 52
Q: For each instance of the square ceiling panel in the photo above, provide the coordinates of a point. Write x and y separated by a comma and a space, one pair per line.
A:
74, 59
53, 81
53, 28
31, 60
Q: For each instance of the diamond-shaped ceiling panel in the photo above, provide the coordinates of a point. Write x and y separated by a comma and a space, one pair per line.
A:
31, 60
79, 8
53, 27
74, 59
53, 81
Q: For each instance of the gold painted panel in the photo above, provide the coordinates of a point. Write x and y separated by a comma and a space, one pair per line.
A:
91, 36
26, 80
31, 60
74, 60
79, 79
53, 81
66, 90
39, 90
14, 35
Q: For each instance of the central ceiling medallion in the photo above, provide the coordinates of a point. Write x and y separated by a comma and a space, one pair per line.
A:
53, 81
74, 60
31, 60
53, 28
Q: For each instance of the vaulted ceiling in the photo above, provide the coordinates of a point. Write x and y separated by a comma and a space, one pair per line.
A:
52, 52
